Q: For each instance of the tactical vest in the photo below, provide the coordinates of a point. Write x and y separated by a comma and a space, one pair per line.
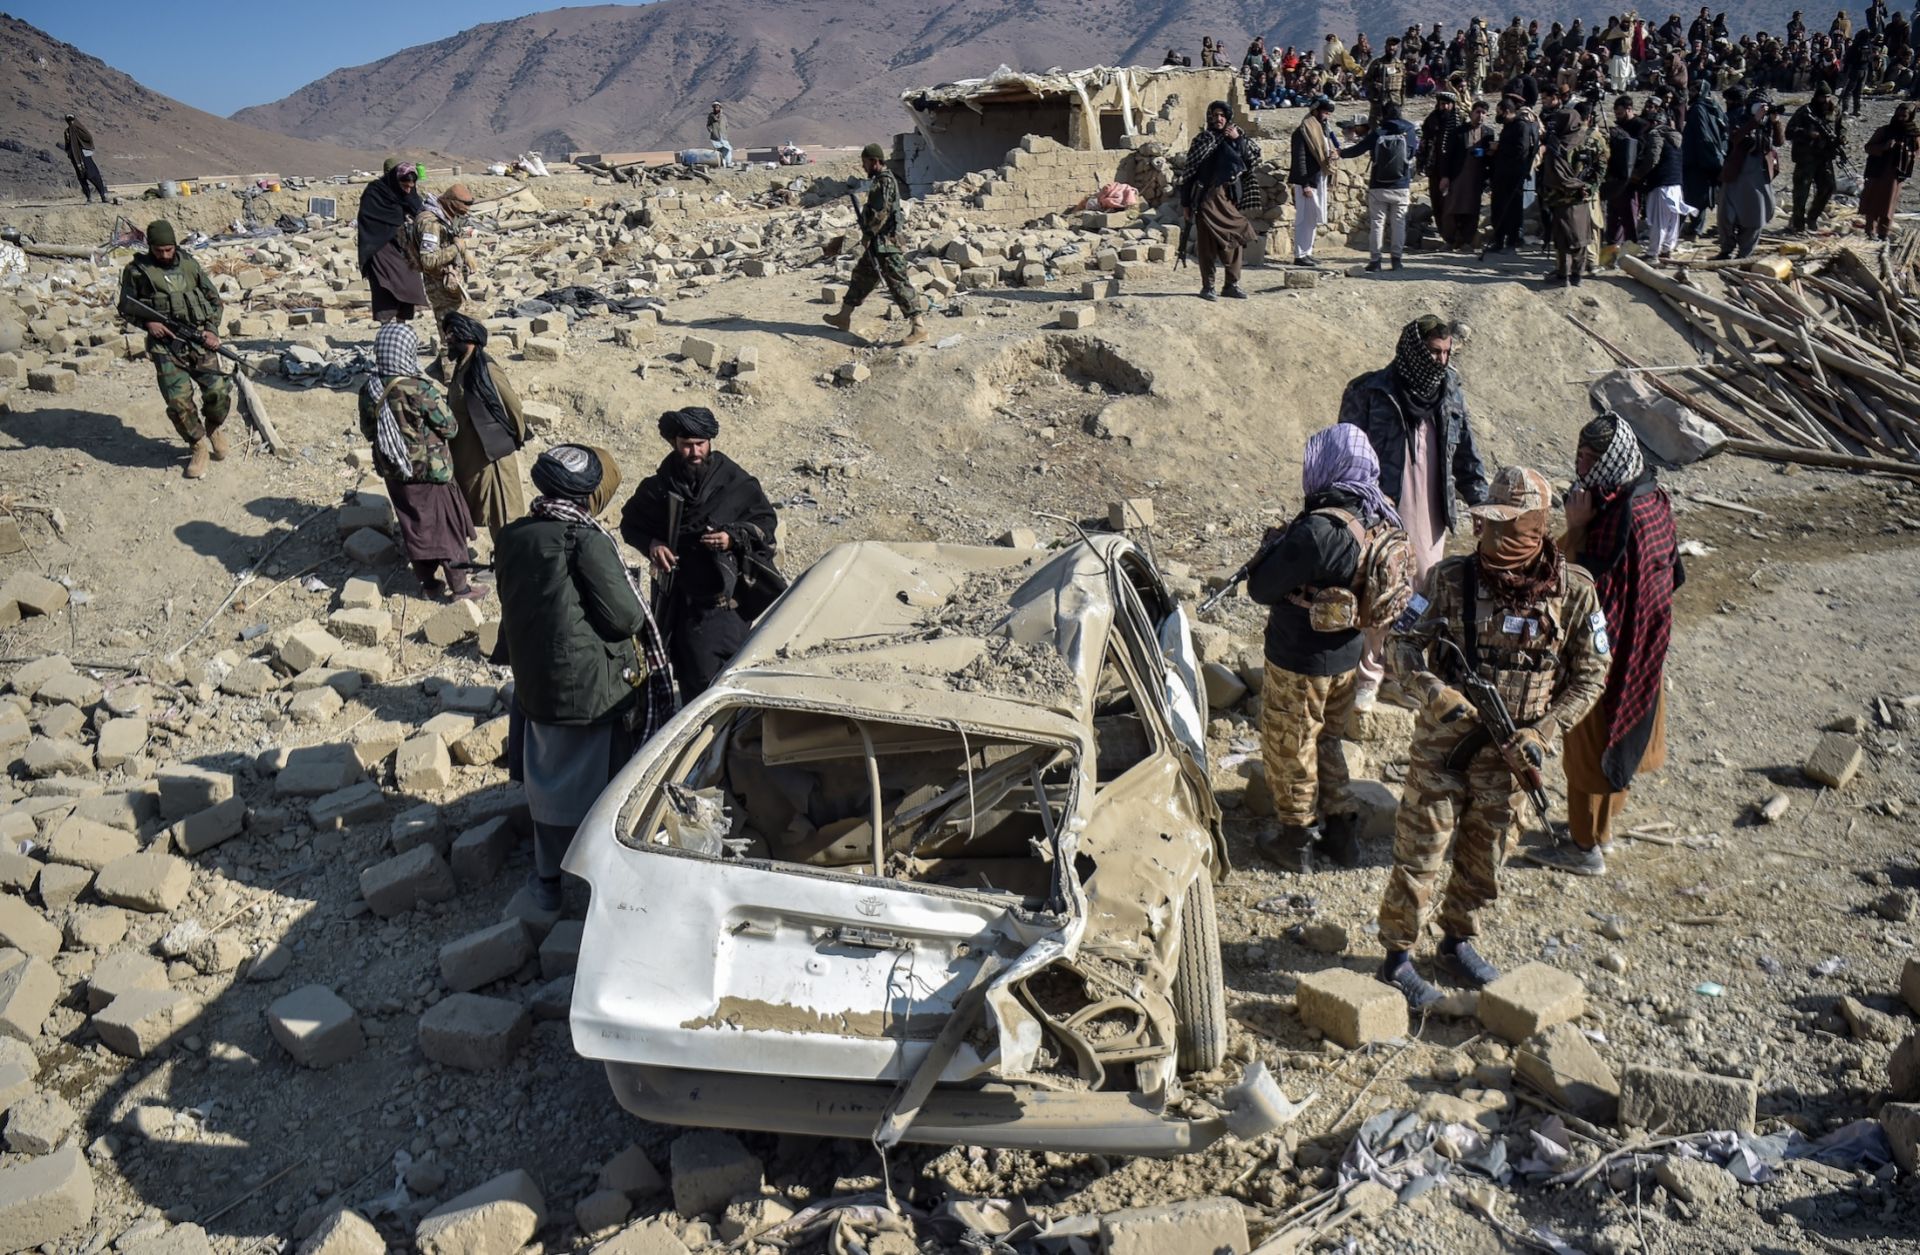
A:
1520, 653
177, 292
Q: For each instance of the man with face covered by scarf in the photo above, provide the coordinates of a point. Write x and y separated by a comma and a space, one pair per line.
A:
1530, 623
1219, 161
1414, 413
707, 529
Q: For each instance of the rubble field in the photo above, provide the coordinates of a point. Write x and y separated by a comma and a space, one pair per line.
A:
268, 979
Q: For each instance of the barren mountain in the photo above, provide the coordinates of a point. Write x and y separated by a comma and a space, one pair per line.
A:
139, 134
634, 77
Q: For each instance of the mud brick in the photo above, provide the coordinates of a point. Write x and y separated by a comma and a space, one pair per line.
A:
53, 379
250, 679
309, 648
632, 1173
26, 930
1078, 319
474, 1033
707, 353
316, 1027
1531, 998
152, 882
369, 547
453, 623
348, 806
186, 790
121, 741
374, 741
544, 349
360, 593
1834, 761
198, 833
316, 770
1351, 1007
122, 972
1132, 512
316, 705
28, 991
54, 756
345, 1232
44, 1199
359, 626
497, 1217
1564, 1066
38, 1123
422, 825
481, 851
140, 1022
373, 665
469, 699
421, 765
83, 843
1685, 1102
404, 881
95, 927
28, 679
72, 688
128, 809
1196, 1227
61, 884
484, 745
17, 871
1901, 1123
480, 958
560, 952
709, 1169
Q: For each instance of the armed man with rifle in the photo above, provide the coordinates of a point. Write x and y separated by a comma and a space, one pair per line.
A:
880, 257
166, 292
1504, 649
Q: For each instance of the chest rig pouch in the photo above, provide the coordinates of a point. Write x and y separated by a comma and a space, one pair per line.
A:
1519, 653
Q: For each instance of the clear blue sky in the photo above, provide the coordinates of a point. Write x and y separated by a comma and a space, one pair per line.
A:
222, 55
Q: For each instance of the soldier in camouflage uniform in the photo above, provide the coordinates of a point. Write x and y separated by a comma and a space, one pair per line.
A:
1479, 57
1532, 624
880, 259
1513, 48
169, 281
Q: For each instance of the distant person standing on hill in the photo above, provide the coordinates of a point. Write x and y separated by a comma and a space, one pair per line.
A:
717, 136
79, 145
388, 209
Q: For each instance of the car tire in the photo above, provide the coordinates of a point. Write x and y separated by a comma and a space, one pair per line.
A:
1199, 989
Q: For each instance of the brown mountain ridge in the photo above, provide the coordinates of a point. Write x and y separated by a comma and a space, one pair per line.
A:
639, 77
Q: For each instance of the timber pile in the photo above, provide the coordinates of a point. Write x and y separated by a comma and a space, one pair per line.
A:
1816, 368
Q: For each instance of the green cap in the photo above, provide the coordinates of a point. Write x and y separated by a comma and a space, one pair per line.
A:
873, 152
160, 231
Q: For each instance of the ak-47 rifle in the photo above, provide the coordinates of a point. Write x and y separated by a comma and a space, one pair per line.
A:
183, 333
1184, 245
835, 246
663, 581
1497, 722
1274, 536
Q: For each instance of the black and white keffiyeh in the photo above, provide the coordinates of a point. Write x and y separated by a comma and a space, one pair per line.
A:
1413, 365
396, 355
1620, 461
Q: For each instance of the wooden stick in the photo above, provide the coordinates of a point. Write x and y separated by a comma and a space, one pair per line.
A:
256, 413
1723, 421
1817, 457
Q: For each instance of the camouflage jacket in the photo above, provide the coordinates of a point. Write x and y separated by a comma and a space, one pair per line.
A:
1573, 168
425, 427
880, 218
433, 245
1550, 663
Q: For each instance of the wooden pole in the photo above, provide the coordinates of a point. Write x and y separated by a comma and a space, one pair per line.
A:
1820, 457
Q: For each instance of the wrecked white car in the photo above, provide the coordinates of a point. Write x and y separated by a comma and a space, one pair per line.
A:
933, 859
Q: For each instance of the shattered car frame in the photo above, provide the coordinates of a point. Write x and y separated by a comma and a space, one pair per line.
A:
1027, 957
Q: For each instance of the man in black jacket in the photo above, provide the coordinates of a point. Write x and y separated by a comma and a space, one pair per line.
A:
1314, 154
1515, 148
1617, 189
709, 532
1307, 694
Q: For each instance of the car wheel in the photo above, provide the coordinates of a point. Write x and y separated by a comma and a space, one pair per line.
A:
1199, 991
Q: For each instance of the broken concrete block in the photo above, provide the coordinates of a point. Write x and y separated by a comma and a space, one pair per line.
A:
650, 1237
1531, 998
497, 1217
45, 1198
83, 843
26, 930
485, 745
342, 808
709, 1169
375, 740
27, 993
370, 548
345, 1232
138, 1023
316, 1027
481, 851
404, 881
71, 688
28, 679
560, 951
453, 623
1132, 512
1351, 1007
1195, 1227
188, 790
1900, 1121
480, 958
421, 765
473, 1032
1685, 1102
1562, 1064
152, 882
37, 1124
122, 972
249, 679
1834, 761
1099, 289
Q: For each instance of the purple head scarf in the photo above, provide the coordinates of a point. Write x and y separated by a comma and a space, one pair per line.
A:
1342, 457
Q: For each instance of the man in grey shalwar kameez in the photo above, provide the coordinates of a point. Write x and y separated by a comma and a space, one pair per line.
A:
1753, 159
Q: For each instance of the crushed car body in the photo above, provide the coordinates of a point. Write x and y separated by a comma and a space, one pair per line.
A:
1024, 956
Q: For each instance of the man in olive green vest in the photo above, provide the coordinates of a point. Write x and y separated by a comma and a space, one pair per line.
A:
167, 280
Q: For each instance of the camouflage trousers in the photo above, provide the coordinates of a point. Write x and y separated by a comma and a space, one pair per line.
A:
1447, 816
177, 378
872, 270
1302, 719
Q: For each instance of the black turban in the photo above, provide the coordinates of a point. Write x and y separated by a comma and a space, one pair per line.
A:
460, 329
568, 470
696, 422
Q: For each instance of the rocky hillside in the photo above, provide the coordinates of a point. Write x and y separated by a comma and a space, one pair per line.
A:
141, 135
627, 77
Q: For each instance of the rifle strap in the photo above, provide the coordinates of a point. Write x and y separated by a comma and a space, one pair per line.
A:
1472, 743
1470, 608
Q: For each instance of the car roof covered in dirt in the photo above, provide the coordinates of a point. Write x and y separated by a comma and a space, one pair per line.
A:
1011, 638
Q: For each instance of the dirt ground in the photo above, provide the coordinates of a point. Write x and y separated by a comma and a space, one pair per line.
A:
1798, 615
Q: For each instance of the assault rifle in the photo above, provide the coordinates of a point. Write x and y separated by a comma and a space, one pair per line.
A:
183, 333
1496, 722
1274, 536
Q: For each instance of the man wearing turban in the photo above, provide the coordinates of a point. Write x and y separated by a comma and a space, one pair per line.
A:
709, 532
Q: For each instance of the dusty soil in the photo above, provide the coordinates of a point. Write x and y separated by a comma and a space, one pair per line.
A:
1793, 619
